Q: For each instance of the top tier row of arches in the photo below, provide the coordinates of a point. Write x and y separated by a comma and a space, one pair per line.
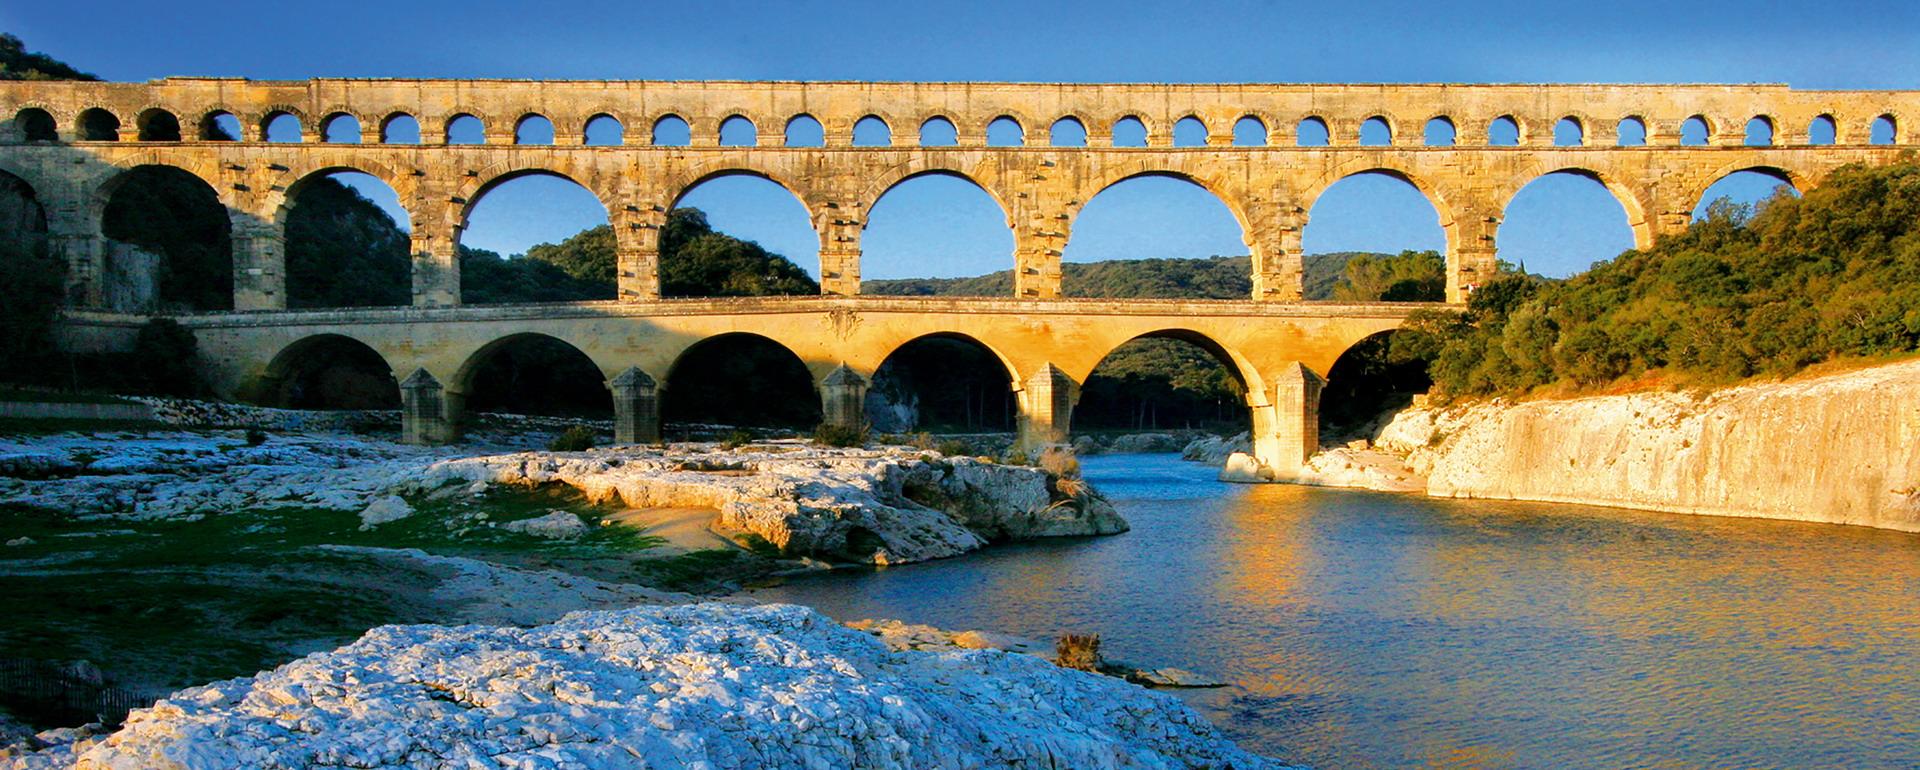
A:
33, 124
940, 114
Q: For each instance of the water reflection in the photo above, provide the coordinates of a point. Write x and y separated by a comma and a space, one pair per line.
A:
1370, 630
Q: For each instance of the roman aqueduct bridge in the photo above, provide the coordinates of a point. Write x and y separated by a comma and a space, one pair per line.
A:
72, 143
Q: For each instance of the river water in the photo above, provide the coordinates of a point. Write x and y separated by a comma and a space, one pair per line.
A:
1365, 630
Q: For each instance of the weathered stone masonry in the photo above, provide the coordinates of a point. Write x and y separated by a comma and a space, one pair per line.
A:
72, 141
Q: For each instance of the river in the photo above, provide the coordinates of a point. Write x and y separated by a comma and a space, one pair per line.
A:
1367, 630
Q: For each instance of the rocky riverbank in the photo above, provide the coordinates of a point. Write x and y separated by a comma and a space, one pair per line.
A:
701, 685
1840, 449
885, 505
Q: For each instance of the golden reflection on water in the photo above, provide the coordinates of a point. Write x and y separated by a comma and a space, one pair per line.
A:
1369, 630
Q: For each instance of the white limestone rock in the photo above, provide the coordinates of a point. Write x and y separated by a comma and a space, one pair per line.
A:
707, 685
384, 509
556, 525
1214, 450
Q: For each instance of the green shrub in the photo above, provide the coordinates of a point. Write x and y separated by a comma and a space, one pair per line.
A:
576, 438
953, 448
829, 434
735, 439
1014, 457
256, 437
1060, 462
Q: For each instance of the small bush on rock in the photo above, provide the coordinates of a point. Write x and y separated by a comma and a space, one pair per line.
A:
576, 438
256, 437
1078, 651
736, 439
166, 359
954, 448
829, 434
1060, 463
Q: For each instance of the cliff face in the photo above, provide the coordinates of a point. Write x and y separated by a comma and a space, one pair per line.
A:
1841, 449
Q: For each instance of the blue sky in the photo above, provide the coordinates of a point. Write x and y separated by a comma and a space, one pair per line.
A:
936, 227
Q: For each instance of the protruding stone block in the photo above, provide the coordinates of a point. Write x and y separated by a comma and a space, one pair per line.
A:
843, 397
424, 413
636, 407
1046, 408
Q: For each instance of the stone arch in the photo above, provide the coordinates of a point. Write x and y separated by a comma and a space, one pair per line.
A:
535, 120
737, 119
1345, 402
587, 383
1259, 130
1442, 122
806, 123
1054, 139
292, 376
1187, 124
1696, 195
1622, 130
920, 136
686, 390
700, 176
274, 112
1711, 131
95, 124
187, 265
496, 175
674, 121
446, 126
1581, 128
882, 376
930, 167
1441, 206
35, 124
1146, 129
392, 119
1237, 365
1767, 124
1384, 121
1002, 123
1312, 131
115, 175
1228, 195
619, 128
283, 198
1822, 123
1629, 200
327, 123
156, 124
1519, 130
872, 122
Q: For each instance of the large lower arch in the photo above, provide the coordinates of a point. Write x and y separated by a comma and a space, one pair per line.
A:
170, 242
329, 371
32, 280
938, 224
532, 374
1166, 379
1370, 379
740, 379
944, 382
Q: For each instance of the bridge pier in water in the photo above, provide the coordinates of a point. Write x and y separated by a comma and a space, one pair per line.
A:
1286, 428
1046, 403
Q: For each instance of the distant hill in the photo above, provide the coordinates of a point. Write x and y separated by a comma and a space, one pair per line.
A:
1210, 278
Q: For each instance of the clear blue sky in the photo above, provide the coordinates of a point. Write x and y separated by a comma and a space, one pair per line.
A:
935, 227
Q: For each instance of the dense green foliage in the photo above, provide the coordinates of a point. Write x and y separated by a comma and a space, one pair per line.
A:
344, 251
166, 359
1742, 292
695, 261
30, 282
16, 63
1153, 383
1410, 276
